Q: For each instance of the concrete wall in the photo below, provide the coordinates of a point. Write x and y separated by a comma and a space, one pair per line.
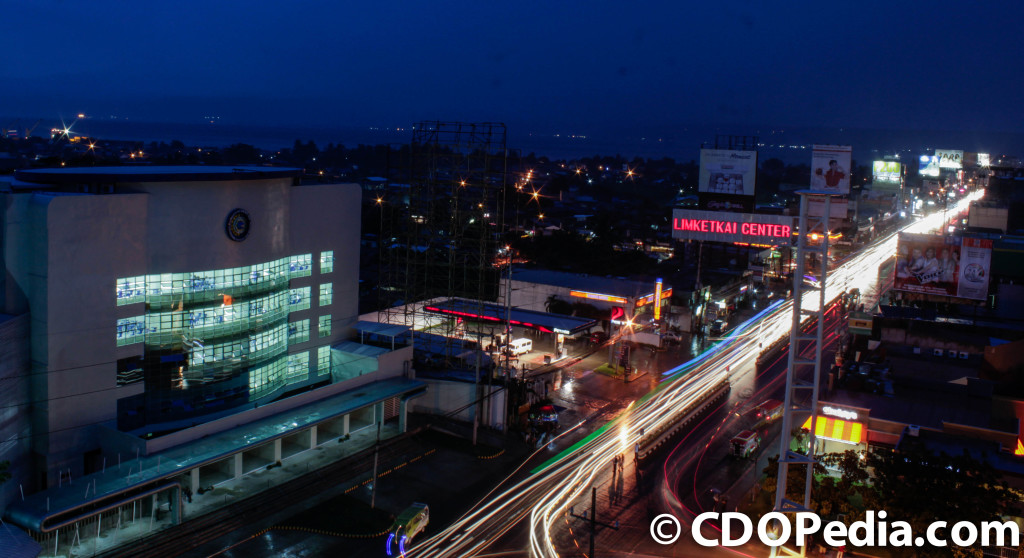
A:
531, 296
1004, 358
15, 426
988, 217
900, 336
443, 397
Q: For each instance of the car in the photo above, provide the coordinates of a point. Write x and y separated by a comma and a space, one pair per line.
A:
671, 337
598, 337
407, 525
717, 327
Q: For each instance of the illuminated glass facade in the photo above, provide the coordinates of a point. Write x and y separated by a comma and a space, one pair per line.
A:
218, 339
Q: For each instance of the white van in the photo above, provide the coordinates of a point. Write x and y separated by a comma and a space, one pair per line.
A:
520, 346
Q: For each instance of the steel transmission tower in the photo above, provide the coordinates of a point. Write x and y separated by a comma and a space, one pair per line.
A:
442, 216
803, 373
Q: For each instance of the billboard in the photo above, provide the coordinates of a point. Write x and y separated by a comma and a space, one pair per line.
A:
724, 171
984, 159
950, 158
838, 208
975, 265
929, 165
725, 202
747, 228
886, 171
830, 168
943, 265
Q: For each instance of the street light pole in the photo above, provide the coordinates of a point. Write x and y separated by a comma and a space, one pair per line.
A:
376, 454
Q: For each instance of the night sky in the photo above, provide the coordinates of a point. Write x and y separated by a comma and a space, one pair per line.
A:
576, 67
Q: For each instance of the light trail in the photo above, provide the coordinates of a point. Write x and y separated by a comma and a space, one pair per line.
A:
545, 495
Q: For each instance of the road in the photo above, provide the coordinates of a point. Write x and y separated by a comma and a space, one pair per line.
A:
543, 499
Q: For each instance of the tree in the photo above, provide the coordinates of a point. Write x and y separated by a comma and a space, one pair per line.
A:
920, 487
556, 305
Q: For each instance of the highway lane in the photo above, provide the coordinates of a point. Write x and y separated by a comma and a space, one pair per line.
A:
543, 498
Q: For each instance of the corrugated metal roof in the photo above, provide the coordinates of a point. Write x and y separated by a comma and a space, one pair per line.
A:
15, 543
390, 330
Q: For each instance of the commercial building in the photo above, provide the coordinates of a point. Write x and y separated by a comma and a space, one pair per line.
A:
201, 316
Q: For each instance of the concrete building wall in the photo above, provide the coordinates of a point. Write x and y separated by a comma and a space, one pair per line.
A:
63, 254
15, 426
443, 397
531, 296
988, 217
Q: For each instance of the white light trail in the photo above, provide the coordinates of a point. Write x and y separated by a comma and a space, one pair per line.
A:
545, 496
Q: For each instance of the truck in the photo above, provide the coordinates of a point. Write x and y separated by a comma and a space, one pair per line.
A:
768, 412
745, 443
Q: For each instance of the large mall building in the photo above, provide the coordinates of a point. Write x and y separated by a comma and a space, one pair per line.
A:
201, 316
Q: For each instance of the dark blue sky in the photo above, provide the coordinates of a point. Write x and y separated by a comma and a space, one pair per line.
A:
579, 66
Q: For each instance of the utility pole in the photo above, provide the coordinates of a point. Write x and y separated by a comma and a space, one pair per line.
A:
376, 453
593, 519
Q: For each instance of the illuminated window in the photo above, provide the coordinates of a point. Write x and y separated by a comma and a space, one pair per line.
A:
131, 330
298, 299
327, 261
298, 332
301, 266
326, 294
298, 366
325, 325
267, 379
323, 359
131, 290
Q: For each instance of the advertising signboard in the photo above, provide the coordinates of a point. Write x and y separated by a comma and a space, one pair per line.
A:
975, 264
950, 158
717, 226
984, 159
861, 323
886, 171
830, 168
943, 265
927, 264
929, 166
838, 208
724, 171
725, 202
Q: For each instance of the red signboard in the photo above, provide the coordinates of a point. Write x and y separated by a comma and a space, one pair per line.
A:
731, 227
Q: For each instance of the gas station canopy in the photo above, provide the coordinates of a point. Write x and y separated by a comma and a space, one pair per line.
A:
494, 313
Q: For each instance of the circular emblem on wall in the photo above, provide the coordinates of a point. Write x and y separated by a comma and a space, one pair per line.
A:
238, 224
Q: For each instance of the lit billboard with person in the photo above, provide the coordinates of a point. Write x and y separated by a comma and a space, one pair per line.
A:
830, 168
724, 171
929, 166
943, 265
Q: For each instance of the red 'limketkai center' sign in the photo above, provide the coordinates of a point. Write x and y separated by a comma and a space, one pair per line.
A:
731, 227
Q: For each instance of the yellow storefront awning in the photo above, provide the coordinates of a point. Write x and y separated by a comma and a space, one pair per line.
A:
837, 430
